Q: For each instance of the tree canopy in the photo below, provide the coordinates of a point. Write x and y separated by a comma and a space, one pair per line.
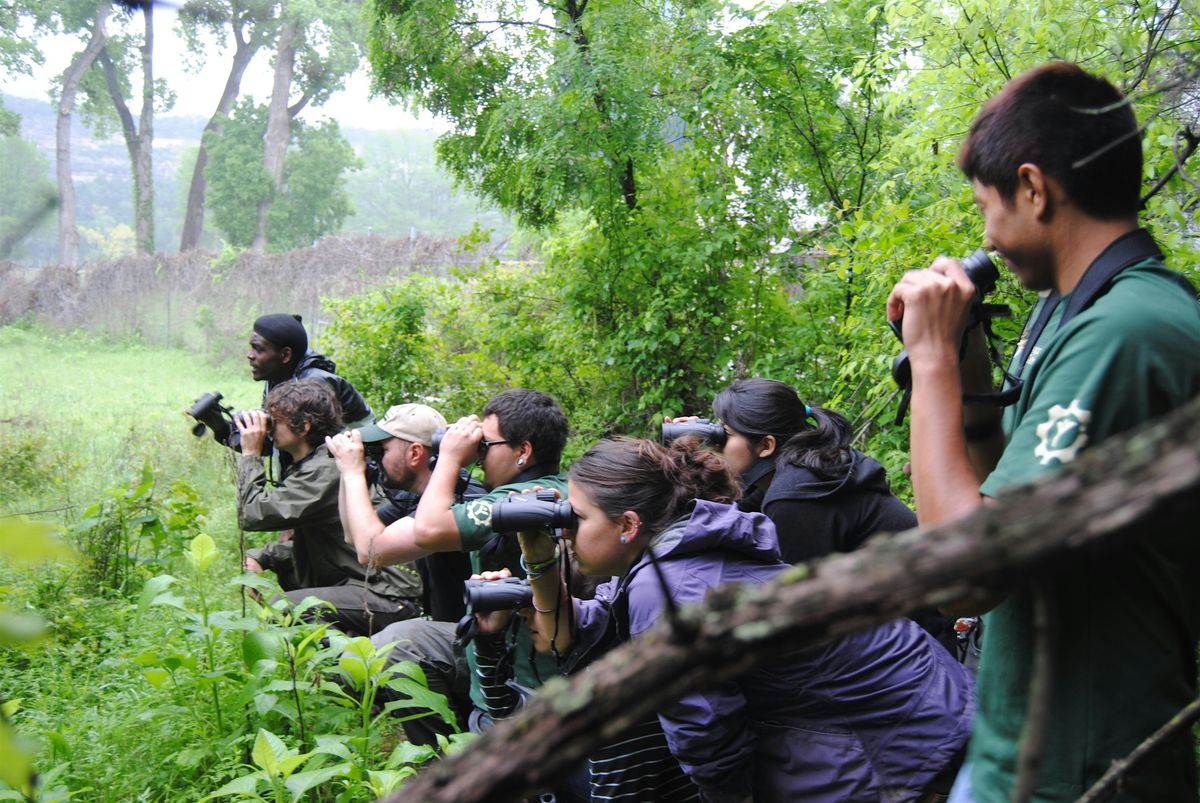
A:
312, 199
727, 190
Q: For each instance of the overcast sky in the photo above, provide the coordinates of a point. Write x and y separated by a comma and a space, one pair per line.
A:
197, 93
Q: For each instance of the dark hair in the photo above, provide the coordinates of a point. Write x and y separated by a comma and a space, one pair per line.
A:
812, 437
656, 482
756, 408
1076, 127
308, 401
529, 415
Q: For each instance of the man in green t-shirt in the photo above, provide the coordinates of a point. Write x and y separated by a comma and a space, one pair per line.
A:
519, 443
1055, 160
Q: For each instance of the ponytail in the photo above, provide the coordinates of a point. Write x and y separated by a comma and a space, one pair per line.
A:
658, 483
810, 437
825, 449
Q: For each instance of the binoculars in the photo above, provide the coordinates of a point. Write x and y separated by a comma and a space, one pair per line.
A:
707, 431
526, 512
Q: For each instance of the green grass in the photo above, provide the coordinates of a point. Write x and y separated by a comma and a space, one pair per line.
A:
91, 412
78, 416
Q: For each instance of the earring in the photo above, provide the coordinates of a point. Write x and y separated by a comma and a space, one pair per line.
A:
623, 540
520, 461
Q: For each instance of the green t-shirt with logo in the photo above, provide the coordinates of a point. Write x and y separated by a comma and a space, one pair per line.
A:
474, 520
1125, 659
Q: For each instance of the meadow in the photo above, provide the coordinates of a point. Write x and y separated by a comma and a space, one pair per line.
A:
150, 676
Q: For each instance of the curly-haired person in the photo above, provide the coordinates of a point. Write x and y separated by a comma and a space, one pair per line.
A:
317, 561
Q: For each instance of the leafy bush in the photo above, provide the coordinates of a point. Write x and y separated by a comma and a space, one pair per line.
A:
30, 462
134, 529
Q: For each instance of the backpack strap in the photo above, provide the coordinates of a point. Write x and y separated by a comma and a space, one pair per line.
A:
1126, 251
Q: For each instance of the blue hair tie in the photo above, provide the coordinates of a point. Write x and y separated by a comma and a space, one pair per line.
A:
807, 411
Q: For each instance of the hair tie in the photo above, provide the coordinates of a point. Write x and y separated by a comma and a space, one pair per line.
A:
807, 412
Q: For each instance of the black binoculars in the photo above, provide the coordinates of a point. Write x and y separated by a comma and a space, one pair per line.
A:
486, 596
526, 512
707, 431
210, 414
984, 274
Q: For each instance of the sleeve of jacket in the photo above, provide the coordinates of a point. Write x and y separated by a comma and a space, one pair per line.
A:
304, 495
354, 407
494, 672
272, 556
592, 620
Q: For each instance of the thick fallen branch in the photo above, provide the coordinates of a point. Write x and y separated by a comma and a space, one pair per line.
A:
1137, 485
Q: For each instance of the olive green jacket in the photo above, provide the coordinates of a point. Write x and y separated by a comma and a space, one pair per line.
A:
306, 502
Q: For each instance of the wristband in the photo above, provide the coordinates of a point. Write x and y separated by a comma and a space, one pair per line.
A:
974, 433
535, 570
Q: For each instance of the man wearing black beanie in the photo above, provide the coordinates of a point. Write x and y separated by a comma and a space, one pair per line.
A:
279, 352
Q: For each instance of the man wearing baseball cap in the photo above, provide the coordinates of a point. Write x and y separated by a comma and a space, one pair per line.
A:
404, 440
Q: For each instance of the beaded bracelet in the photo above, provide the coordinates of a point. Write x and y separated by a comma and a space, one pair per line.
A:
536, 570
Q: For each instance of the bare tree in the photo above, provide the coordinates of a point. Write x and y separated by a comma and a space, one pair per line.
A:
249, 26
68, 234
139, 136
278, 123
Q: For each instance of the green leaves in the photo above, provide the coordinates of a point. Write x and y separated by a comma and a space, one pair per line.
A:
313, 199
201, 553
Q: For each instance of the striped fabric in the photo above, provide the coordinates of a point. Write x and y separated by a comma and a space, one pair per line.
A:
494, 671
640, 767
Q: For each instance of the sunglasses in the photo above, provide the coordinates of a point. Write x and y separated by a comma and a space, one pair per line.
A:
485, 445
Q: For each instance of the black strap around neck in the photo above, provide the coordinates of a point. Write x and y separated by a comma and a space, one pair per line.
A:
1126, 251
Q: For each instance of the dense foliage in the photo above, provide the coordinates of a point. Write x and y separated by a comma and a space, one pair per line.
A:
312, 200
727, 191
714, 191
134, 662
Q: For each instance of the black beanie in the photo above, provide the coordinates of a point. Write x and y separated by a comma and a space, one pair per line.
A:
282, 330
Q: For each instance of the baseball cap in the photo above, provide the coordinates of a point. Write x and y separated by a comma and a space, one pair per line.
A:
409, 422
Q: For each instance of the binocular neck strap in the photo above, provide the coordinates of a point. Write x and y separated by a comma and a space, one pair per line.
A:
1127, 250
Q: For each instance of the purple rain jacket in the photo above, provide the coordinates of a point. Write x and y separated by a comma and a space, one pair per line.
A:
872, 716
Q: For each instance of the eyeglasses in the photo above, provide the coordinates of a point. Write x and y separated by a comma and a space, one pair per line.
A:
485, 445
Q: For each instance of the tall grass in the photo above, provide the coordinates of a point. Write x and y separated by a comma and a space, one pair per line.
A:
78, 416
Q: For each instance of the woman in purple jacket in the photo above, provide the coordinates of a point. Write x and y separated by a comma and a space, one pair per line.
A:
878, 715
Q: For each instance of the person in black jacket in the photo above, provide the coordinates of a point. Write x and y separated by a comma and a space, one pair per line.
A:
797, 466
279, 353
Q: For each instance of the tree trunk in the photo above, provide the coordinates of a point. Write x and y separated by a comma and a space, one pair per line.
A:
1142, 485
139, 138
68, 235
193, 219
278, 124
143, 168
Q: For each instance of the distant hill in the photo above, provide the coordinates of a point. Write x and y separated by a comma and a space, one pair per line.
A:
399, 192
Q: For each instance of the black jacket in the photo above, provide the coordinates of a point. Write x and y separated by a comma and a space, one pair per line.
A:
442, 573
318, 366
815, 516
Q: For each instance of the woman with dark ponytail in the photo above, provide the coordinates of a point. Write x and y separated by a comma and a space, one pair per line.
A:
882, 714
797, 466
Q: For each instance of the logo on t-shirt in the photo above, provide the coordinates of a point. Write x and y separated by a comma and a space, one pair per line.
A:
479, 511
1063, 434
